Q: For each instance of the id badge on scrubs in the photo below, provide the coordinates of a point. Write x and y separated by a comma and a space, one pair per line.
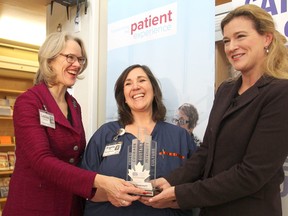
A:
112, 149
47, 119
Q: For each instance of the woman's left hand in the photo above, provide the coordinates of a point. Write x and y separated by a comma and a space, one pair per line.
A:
166, 199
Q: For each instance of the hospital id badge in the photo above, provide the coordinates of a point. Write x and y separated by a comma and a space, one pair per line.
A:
47, 119
112, 149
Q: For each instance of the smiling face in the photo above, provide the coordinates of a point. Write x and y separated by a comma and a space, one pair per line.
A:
244, 46
138, 91
66, 73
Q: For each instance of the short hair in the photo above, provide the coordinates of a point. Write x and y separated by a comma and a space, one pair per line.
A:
191, 112
276, 62
125, 116
51, 48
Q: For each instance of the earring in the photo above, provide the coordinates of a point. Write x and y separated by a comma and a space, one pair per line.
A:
266, 50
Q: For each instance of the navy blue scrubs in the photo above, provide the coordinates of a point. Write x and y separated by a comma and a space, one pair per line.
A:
174, 147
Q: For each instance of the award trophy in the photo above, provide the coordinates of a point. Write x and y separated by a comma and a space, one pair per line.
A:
142, 155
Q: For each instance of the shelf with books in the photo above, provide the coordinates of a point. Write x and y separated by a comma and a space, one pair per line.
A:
18, 65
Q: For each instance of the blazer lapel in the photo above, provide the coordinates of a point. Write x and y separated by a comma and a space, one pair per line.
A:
248, 96
59, 117
226, 97
240, 101
75, 112
222, 103
49, 102
226, 105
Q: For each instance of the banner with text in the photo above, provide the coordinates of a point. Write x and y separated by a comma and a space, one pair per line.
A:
165, 35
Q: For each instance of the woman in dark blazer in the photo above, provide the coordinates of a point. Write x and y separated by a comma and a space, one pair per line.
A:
238, 168
50, 140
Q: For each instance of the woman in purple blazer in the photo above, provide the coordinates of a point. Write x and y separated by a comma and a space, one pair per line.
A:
238, 168
50, 140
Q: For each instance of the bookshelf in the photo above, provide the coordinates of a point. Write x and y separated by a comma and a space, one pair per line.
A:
18, 64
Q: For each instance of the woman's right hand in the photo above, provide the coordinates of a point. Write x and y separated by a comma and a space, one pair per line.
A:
160, 183
119, 192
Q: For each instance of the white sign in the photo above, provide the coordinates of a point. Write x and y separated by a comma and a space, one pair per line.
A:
150, 25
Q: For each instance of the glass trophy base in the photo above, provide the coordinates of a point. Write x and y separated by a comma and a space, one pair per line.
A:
147, 186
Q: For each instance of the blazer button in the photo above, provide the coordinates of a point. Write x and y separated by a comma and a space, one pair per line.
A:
71, 160
75, 148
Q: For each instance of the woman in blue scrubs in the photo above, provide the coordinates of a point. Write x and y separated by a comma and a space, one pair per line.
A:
139, 101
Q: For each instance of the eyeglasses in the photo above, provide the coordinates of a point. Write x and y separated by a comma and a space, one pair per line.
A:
179, 121
70, 58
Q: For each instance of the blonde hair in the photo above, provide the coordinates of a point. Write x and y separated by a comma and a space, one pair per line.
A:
276, 61
50, 49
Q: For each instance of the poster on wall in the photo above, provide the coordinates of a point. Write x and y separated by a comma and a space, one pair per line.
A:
165, 35
279, 12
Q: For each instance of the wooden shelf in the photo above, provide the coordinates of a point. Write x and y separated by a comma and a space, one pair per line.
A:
6, 117
3, 199
6, 145
18, 56
6, 172
13, 91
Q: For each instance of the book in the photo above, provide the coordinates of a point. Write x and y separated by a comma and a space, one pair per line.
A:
11, 159
4, 161
4, 186
6, 111
5, 140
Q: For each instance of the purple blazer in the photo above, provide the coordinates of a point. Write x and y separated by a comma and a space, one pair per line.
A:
46, 178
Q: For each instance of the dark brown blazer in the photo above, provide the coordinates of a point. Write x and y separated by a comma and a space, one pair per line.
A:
46, 178
238, 168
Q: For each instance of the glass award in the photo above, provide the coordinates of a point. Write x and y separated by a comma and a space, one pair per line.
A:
141, 162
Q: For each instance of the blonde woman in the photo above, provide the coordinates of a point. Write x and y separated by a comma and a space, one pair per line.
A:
238, 168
